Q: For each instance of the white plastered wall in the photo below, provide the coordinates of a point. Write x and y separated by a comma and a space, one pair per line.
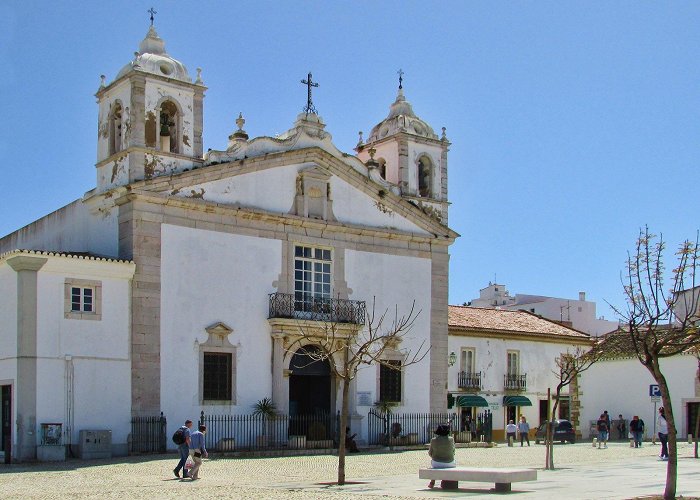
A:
273, 190
97, 351
72, 228
622, 386
395, 282
210, 277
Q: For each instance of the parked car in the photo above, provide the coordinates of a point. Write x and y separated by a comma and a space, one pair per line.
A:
563, 431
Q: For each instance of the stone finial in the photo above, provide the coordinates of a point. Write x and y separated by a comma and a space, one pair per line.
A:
372, 152
199, 81
240, 134
102, 81
135, 63
371, 163
444, 134
360, 142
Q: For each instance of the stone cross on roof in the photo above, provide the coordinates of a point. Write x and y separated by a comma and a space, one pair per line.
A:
152, 11
400, 73
309, 108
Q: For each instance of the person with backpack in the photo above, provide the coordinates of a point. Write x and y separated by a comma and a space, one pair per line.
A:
637, 430
182, 439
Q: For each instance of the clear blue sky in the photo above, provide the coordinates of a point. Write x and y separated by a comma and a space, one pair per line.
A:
573, 124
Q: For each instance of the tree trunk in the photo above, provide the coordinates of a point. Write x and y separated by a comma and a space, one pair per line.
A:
697, 430
550, 427
672, 467
343, 419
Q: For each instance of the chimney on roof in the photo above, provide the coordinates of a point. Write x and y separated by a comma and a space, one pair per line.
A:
582, 296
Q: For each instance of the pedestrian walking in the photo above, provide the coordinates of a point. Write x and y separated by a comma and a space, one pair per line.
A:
511, 429
182, 439
197, 450
524, 430
662, 427
603, 430
620, 427
637, 430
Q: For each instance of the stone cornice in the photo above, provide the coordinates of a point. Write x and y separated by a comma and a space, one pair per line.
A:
516, 335
26, 263
135, 74
151, 151
277, 218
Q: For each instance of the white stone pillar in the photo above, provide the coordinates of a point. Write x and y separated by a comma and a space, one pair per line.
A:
279, 397
26, 383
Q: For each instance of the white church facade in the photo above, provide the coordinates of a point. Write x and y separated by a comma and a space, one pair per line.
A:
178, 283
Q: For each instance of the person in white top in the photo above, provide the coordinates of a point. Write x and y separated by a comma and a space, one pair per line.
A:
662, 427
511, 429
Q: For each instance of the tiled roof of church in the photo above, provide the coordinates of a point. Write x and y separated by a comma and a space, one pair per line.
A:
511, 322
73, 255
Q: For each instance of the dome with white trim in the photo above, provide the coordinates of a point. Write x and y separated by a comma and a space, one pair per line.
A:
401, 119
152, 58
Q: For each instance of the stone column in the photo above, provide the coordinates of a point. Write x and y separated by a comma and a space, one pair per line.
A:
26, 268
404, 174
278, 386
438, 329
198, 125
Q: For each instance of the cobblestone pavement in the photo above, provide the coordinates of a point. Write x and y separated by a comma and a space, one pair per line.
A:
584, 472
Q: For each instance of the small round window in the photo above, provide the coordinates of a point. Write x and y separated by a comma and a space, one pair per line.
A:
166, 68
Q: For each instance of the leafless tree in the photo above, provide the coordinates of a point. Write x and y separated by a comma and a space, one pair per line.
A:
347, 353
568, 366
661, 322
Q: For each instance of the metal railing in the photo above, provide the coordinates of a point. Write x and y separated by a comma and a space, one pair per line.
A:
469, 380
278, 432
148, 435
515, 382
404, 429
286, 305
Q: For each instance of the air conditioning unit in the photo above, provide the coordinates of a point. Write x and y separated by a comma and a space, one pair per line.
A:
95, 444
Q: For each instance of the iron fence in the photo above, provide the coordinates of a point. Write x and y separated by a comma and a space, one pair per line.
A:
148, 434
403, 429
286, 305
278, 432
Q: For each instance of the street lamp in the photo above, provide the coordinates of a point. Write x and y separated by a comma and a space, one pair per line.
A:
452, 359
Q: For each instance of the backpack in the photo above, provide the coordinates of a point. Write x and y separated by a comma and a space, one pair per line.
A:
179, 436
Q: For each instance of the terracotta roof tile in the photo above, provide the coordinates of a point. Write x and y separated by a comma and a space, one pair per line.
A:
477, 318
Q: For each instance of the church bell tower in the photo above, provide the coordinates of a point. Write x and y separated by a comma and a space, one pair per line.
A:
409, 154
150, 118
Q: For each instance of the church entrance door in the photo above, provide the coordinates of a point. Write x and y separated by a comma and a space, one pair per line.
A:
6, 427
310, 396
309, 384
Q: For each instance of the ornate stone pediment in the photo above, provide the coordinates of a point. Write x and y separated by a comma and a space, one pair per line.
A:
220, 330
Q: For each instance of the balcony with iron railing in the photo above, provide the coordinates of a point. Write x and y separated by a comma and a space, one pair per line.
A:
513, 382
469, 380
287, 305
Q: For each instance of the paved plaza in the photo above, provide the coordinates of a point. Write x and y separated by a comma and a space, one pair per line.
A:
583, 473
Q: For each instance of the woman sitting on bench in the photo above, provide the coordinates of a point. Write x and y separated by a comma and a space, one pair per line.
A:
442, 450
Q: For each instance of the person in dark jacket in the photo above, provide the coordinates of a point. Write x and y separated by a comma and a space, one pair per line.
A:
603, 430
637, 430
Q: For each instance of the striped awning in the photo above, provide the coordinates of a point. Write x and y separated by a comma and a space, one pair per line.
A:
516, 401
471, 400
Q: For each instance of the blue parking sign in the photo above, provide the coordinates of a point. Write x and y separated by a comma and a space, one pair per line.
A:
654, 390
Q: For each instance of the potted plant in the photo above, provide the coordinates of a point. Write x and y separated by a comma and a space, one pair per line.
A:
267, 410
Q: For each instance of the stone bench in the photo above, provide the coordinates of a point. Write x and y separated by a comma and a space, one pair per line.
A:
449, 478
